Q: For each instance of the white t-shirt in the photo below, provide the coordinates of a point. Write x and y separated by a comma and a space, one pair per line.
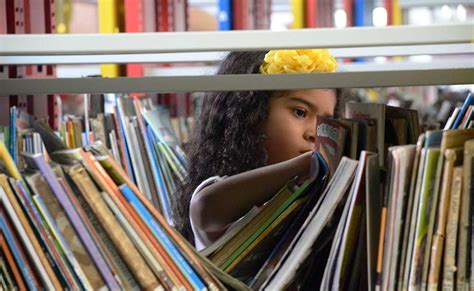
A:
200, 239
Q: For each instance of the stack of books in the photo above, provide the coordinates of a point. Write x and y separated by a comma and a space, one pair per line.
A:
384, 207
138, 135
75, 220
378, 223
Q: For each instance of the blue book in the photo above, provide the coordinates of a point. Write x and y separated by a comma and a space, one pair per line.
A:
40, 230
163, 194
163, 239
13, 143
469, 101
224, 16
124, 140
75, 219
19, 259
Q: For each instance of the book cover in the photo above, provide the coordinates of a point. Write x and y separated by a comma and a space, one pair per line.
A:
8, 260
124, 245
45, 238
453, 157
330, 140
245, 266
467, 102
452, 228
28, 238
401, 171
74, 218
19, 257
422, 219
24, 220
373, 208
302, 244
463, 261
375, 112
289, 193
343, 249
176, 256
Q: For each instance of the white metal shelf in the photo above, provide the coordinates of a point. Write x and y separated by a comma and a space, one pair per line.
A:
139, 43
392, 78
210, 57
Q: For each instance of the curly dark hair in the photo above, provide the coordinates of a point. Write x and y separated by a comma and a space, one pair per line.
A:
228, 136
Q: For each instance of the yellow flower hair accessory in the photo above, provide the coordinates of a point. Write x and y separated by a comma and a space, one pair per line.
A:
298, 61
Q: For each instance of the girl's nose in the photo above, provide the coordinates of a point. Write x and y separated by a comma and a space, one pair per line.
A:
309, 136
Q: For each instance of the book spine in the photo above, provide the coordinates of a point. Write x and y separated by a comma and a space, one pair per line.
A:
123, 142
440, 233
187, 249
423, 217
45, 238
13, 134
62, 242
449, 265
162, 193
20, 260
23, 228
124, 245
158, 270
225, 15
163, 238
76, 221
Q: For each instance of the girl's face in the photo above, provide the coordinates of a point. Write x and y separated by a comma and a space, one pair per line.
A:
291, 124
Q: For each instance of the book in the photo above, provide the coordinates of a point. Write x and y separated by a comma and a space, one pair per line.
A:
373, 208
18, 255
303, 242
453, 158
464, 246
124, 245
467, 102
192, 256
402, 164
329, 142
469, 188
33, 249
343, 249
422, 219
450, 251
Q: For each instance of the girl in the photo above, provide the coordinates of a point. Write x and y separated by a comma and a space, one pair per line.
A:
247, 145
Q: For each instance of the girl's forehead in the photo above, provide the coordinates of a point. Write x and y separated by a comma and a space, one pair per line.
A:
327, 95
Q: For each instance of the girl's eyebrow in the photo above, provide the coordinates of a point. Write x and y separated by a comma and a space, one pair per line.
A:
299, 99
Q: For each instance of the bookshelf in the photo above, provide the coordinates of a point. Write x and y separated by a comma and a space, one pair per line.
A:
208, 47
439, 40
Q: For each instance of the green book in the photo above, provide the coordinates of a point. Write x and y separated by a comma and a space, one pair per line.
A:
298, 193
422, 219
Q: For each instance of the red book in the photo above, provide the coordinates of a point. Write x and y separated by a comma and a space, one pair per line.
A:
134, 23
238, 14
311, 11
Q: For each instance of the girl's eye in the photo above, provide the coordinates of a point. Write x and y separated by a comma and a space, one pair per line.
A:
300, 112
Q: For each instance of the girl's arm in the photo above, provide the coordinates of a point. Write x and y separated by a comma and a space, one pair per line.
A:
216, 206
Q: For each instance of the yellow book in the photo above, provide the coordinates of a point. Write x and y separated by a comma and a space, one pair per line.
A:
297, 8
109, 23
9, 163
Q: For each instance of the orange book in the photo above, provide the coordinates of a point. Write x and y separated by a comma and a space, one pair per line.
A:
70, 134
12, 264
164, 260
44, 266
183, 246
